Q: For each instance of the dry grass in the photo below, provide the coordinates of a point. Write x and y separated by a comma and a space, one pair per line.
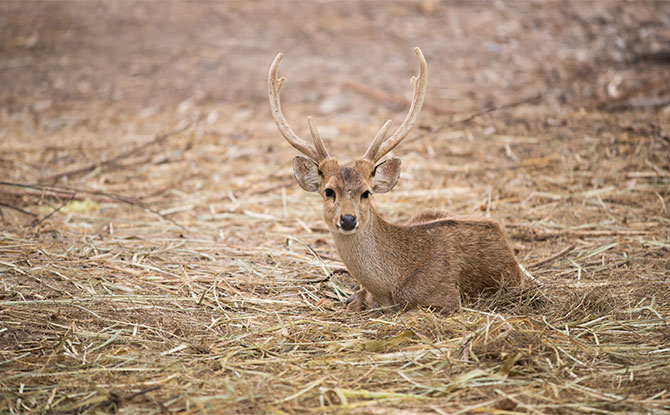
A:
187, 273
216, 298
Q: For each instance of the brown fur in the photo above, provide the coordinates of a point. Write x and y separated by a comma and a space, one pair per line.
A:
428, 261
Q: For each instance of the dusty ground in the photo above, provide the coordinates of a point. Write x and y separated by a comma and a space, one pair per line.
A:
153, 243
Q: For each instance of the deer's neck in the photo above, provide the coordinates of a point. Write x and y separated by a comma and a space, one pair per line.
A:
374, 255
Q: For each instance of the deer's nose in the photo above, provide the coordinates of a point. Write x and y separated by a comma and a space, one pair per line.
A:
347, 222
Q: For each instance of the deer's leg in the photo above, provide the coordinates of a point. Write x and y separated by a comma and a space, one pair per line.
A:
361, 300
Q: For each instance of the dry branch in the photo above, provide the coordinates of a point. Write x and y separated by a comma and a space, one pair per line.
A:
392, 100
87, 169
37, 221
72, 192
552, 257
467, 119
18, 209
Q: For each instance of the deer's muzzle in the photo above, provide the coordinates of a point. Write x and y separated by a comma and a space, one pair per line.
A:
348, 222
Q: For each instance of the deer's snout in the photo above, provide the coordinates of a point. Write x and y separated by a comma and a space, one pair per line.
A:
348, 222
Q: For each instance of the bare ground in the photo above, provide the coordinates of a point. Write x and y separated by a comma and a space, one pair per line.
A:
156, 255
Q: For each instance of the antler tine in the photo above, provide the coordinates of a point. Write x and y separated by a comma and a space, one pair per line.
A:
419, 85
377, 142
319, 145
274, 85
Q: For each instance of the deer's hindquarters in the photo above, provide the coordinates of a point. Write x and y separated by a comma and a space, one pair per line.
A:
485, 258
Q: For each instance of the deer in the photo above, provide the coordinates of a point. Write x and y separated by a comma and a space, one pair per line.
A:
429, 261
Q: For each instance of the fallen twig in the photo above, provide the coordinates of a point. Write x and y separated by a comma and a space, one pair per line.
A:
495, 108
71, 192
114, 400
82, 170
18, 209
37, 221
392, 99
474, 115
285, 183
551, 258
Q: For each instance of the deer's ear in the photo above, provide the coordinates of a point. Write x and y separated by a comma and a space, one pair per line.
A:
306, 173
385, 176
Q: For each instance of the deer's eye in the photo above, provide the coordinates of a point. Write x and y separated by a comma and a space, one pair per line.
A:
330, 193
365, 194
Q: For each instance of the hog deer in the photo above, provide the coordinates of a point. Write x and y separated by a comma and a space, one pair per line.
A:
427, 261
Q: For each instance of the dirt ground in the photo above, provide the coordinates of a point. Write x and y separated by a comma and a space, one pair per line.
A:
157, 256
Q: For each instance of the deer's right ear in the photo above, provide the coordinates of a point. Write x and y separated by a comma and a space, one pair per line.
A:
306, 173
386, 175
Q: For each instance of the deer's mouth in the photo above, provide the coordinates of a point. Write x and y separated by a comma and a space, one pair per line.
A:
345, 231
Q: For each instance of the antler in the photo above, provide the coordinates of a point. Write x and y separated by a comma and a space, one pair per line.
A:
316, 152
379, 147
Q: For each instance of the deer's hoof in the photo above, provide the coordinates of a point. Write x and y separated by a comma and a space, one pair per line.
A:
349, 299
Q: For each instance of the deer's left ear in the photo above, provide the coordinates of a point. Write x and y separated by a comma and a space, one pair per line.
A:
385, 176
306, 173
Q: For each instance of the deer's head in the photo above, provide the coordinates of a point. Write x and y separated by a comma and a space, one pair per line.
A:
347, 190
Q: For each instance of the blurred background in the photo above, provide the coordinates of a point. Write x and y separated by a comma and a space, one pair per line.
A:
66, 63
